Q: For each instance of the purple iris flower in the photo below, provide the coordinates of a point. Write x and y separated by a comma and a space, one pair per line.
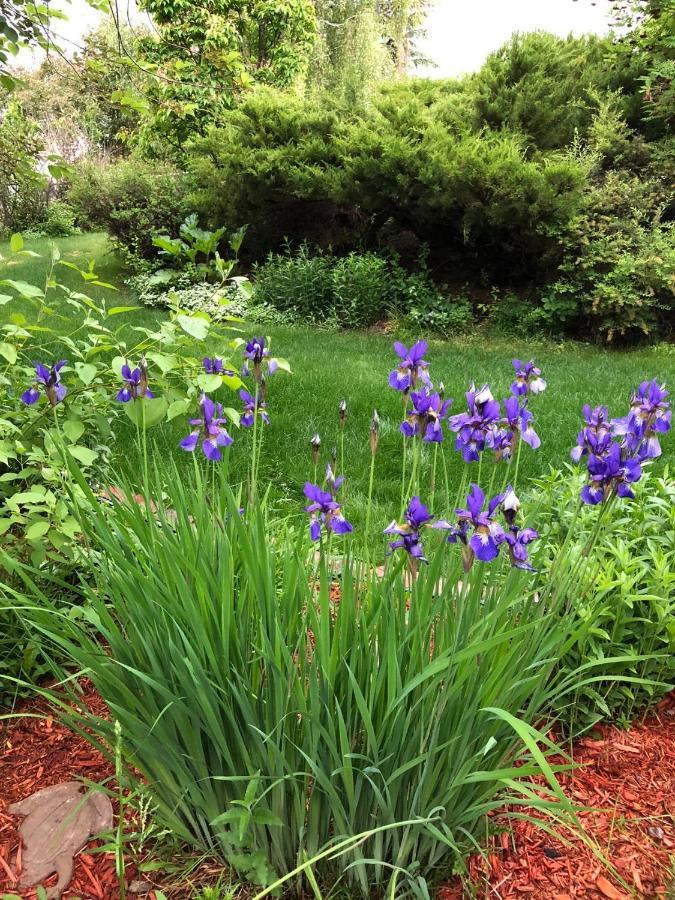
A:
135, 383
649, 415
324, 509
255, 354
501, 441
519, 420
411, 368
332, 483
487, 535
426, 415
510, 505
615, 471
214, 366
595, 436
250, 409
517, 540
528, 379
50, 381
474, 426
407, 533
211, 428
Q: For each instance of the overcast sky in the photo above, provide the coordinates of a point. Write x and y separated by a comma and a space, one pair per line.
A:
460, 33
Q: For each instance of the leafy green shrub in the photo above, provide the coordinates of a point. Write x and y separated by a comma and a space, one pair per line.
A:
59, 220
617, 278
427, 309
543, 86
19, 656
628, 608
361, 289
132, 200
355, 291
339, 181
511, 314
271, 723
23, 194
301, 284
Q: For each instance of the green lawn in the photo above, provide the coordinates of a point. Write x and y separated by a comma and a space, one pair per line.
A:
328, 366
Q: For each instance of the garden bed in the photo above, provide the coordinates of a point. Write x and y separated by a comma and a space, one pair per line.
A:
627, 777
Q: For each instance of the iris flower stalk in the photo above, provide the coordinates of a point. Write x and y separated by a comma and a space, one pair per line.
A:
315, 445
342, 421
374, 437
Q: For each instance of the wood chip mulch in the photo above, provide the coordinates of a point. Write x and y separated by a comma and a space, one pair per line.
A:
628, 777
37, 752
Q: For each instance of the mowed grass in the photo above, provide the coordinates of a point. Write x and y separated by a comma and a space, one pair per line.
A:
329, 366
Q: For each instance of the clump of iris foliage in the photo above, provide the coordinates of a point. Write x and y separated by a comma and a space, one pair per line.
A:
296, 710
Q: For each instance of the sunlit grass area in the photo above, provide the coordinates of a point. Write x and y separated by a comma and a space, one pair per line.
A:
329, 366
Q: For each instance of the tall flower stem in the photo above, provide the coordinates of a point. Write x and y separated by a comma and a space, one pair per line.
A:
342, 452
119, 831
370, 498
414, 474
445, 478
492, 479
403, 473
254, 449
433, 475
515, 476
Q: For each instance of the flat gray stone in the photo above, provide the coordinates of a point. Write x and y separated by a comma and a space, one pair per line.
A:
59, 821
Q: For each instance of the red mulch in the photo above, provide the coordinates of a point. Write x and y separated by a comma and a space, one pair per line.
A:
628, 777
36, 752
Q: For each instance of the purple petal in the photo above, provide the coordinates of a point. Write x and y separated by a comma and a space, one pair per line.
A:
210, 450
484, 546
339, 525
190, 442
42, 372
31, 396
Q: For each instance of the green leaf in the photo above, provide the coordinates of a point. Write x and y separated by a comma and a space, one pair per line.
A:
146, 413
37, 530
73, 429
177, 408
5, 298
208, 382
84, 454
86, 372
116, 310
164, 362
8, 351
232, 415
233, 382
30, 291
196, 326
16, 243
283, 364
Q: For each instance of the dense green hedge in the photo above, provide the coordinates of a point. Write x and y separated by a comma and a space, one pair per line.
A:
538, 176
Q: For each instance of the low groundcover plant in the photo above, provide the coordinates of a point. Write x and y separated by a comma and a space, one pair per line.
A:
281, 695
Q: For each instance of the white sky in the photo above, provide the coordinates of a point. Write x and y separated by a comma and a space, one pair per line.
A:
460, 33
